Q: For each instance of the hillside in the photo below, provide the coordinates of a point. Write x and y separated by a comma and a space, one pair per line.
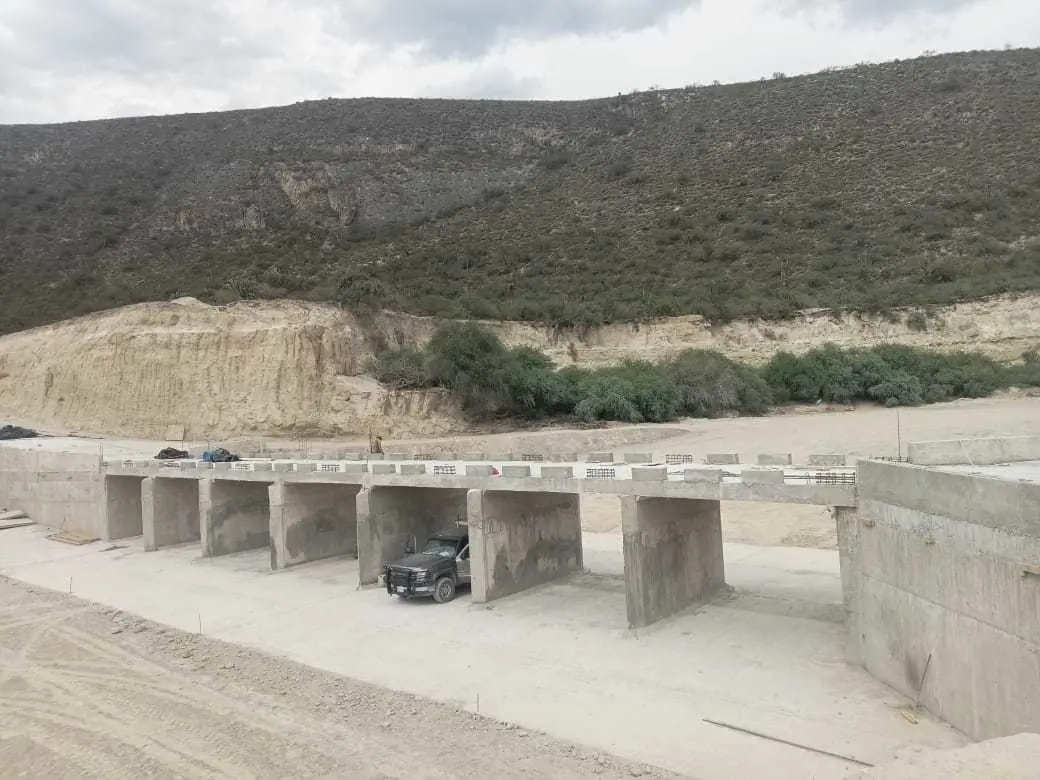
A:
914, 182
298, 369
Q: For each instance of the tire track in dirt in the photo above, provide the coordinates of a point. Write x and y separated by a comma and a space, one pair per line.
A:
89, 692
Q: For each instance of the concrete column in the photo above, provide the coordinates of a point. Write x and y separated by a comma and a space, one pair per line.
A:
311, 522
170, 512
122, 508
234, 516
389, 517
673, 555
519, 540
847, 521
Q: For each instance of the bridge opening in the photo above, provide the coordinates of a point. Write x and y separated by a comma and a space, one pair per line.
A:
234, 516
392, 519
123, 517
170, 509
310, 522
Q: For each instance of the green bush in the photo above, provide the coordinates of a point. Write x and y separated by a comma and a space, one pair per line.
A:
492, 380
711, 384
891, 374
402, 369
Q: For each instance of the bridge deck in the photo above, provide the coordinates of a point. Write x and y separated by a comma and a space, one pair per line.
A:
834, 487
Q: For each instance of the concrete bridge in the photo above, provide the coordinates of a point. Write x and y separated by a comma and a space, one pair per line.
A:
524, 517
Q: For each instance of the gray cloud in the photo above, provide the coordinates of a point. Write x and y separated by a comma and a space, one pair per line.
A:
880, 11
469, 28
187, 37
494, 83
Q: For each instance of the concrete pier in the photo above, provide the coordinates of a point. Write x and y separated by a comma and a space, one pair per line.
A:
170, 512
389, 517
519, 540
311, 522
234, 516
673, 555
123, 517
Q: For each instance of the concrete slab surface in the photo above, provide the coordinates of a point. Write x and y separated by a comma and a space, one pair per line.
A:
558, 658
1026, 471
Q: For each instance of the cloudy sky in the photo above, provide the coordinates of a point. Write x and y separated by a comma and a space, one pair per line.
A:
82, 59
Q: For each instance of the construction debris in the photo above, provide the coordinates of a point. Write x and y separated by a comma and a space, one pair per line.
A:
10, 432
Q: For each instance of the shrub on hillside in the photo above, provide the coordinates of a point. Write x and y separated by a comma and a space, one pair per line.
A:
401, 369
711, 384
891, 374
635, 391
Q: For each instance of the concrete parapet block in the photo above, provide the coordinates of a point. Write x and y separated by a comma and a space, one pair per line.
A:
680, 459
638, 457
557, 472
189, 465
222, 467
775, 459
649, 473
375, 456
827, 460
398, 455
499, 457
516, 472
383, 468
203, 465
599, 457
283, 467
413, 469
472, 457
362, 468
350, 456
263, 466
144, 464
478, 471
703, 476
762, 476
532, 457
723, 459
305, 468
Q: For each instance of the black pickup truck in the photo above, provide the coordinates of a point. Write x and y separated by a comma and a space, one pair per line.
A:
437, 571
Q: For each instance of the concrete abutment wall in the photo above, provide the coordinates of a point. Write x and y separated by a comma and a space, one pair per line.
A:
388, 517
941, 567
311, 522
673, 555
170, 510
519, 540
234, 516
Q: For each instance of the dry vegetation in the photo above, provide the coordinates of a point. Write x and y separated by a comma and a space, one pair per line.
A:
913, 182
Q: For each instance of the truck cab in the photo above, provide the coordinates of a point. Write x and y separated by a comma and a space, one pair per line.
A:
436, 571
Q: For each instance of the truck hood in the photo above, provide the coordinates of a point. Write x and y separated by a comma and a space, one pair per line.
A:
421, 561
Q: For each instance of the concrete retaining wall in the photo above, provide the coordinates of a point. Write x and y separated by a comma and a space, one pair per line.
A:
312, 522
673, 555
979, 452
520, 540
234, 516
170, 512
941, 567
58, 490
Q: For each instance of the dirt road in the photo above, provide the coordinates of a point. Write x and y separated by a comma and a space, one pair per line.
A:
89, 692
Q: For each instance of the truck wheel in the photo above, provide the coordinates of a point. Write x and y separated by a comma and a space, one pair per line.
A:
445, 590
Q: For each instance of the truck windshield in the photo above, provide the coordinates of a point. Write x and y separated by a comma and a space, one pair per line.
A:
445, 547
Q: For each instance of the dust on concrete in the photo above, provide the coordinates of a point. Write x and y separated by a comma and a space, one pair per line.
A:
87, 691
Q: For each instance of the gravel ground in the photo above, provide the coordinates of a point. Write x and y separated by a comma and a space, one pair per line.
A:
87, 691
